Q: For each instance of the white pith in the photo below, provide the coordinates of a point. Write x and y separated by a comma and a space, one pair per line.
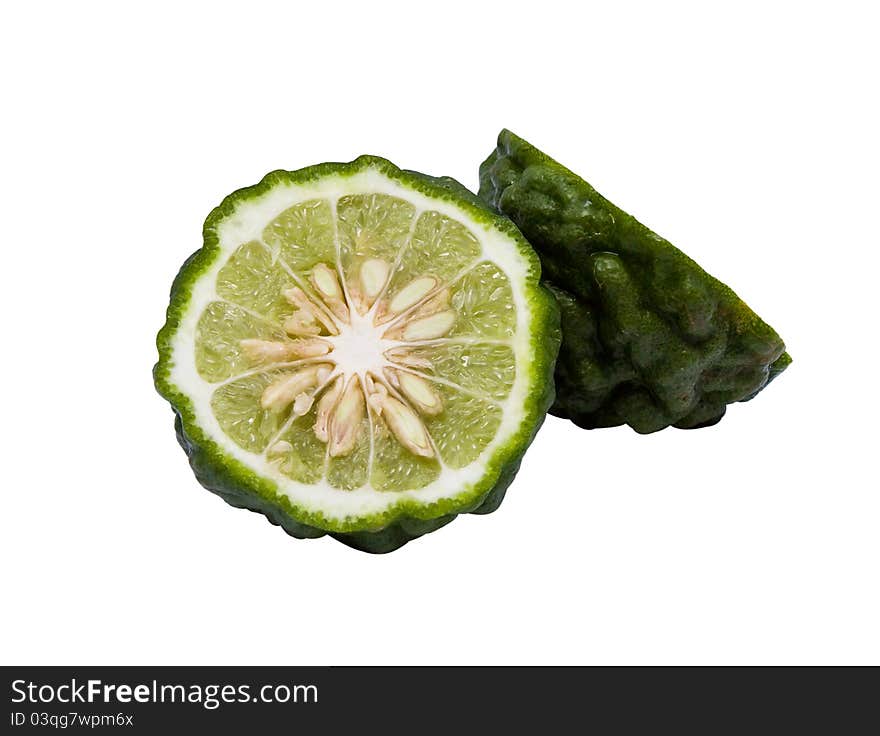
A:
358, 348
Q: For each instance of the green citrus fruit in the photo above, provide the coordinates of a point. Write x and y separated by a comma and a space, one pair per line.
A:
649, 339
358, 350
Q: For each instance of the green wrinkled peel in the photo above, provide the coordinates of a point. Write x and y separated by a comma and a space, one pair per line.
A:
649, 338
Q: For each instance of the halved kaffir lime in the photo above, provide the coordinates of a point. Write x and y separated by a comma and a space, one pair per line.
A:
358, 350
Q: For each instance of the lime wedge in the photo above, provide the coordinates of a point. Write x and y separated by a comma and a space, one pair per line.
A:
358, 350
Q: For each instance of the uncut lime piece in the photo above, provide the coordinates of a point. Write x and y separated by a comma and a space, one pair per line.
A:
649, 339
360, 351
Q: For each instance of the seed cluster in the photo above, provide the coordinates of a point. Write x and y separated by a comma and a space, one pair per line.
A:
392, 388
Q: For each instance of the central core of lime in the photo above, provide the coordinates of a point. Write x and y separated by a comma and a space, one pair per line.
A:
359, 347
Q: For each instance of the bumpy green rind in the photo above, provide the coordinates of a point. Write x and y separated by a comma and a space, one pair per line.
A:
383, 532
649, 338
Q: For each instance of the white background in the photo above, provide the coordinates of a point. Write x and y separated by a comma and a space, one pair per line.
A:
747, 137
